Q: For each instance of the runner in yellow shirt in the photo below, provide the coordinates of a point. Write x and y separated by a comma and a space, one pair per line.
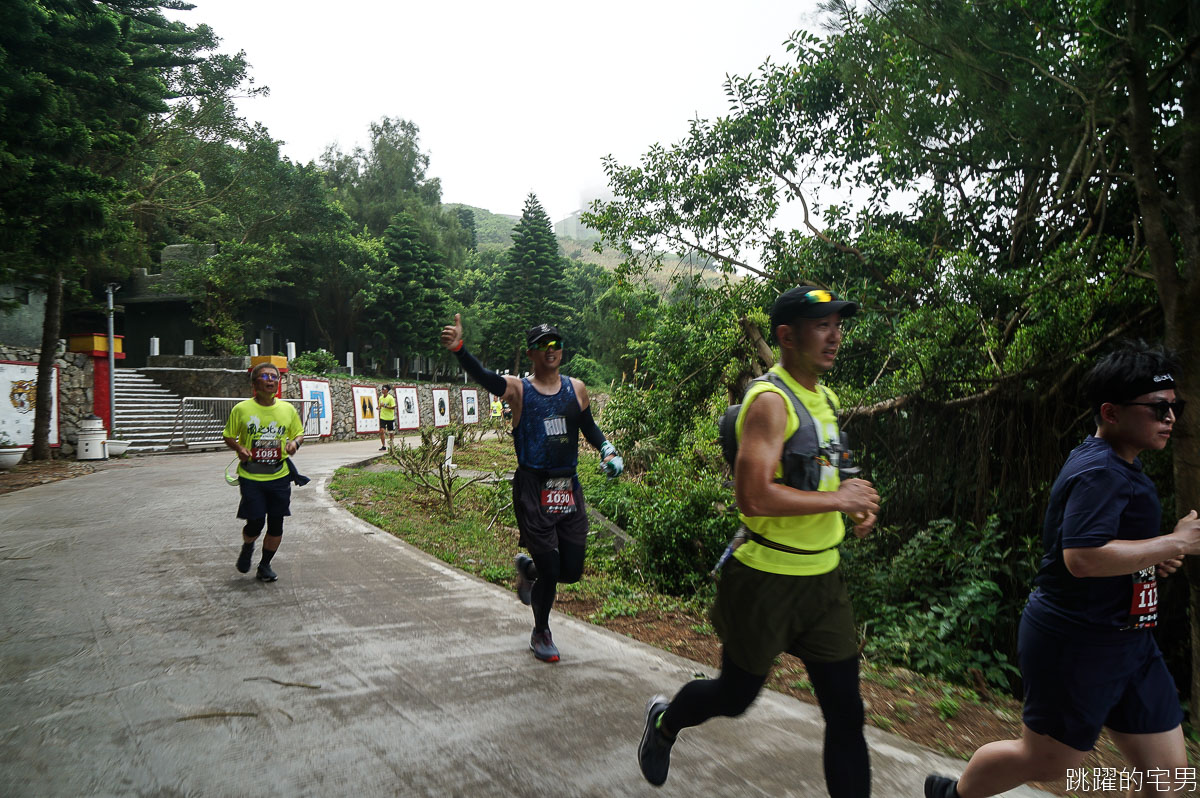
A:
264, 431
387, 415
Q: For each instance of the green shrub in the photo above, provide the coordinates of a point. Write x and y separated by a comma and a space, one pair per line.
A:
934, 606
318, 362
678, 521
588, 370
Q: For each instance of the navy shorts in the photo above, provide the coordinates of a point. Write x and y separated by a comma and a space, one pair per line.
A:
540, 528
263, 499
387, 423
1074, 686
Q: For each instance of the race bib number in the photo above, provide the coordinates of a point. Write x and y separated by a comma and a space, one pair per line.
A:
558, 496
266, 452
1143, 608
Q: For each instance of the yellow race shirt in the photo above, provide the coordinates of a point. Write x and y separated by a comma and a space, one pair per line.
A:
265, 431
822, 532
387, 408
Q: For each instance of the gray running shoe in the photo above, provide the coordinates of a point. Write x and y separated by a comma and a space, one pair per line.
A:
940, 787
543, 646
654, 752
524, 566
265, 574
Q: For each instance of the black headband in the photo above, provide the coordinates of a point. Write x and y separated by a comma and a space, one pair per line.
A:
1159, 382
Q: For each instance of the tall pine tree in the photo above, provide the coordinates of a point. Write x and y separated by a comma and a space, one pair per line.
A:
407, 297
532, 287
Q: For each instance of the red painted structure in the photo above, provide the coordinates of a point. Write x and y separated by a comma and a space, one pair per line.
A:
96, 345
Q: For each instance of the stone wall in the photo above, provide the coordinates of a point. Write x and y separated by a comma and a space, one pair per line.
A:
75, 392
226, 383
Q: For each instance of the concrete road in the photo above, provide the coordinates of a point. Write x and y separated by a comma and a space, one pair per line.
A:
134, 660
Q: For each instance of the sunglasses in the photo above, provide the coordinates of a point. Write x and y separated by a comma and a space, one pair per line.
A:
547, 346
1161, 408
818, 296
268, 377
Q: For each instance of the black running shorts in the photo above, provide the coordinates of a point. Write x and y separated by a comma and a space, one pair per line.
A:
542, 529
760, 615
265, 499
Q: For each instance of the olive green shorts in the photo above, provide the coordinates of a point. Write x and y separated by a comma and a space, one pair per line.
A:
760, 615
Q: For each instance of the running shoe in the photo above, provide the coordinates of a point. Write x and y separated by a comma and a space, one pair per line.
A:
243, 563
654, 752
543, 646
524, 566
265, 574
383, 448
940, 787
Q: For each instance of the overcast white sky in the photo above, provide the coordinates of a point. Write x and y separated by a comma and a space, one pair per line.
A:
510, 97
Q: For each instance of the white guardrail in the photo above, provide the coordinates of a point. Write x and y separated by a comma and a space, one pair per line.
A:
200, 420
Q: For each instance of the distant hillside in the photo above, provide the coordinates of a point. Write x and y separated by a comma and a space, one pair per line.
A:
491, 228
575, 241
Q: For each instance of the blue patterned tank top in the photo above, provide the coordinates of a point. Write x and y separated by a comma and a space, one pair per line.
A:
547, 435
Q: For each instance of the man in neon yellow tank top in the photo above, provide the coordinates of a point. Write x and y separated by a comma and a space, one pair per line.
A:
782, 590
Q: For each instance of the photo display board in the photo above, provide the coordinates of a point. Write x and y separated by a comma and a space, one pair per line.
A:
320, 414
408, 409
18, 402
470, 405
441, 407
366, 408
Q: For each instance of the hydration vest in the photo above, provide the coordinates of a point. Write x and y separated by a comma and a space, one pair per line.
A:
803, 452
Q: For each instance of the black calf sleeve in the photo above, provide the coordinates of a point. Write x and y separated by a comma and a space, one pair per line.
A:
253, 527
545, 589
570, 557
562, 565
728, 695
847, 763
275, 525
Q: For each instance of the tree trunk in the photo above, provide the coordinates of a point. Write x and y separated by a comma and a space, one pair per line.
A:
1183, 335
45, 370
1178, 292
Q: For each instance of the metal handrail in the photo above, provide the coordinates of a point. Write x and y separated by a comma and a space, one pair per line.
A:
208, 412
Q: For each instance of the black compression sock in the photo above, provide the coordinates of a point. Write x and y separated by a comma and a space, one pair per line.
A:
266, 557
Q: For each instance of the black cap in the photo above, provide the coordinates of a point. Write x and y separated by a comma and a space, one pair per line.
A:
539, 331
808, 302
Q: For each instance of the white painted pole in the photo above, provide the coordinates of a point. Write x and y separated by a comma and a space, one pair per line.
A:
291, 350
189, 347
154, 347
350, 362
449, 451
112, 288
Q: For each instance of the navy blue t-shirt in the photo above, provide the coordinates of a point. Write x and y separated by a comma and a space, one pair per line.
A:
1097, 497
547, 434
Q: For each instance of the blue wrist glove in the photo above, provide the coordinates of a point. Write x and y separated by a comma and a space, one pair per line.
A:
616, 465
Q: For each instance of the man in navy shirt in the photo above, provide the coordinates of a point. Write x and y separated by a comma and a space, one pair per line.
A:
549, 410
1087, 656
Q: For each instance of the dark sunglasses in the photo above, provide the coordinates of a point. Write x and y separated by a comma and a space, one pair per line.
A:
547, 346
1161, 408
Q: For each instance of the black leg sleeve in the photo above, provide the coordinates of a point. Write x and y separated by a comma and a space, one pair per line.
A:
549, 570
847, 764
728, 695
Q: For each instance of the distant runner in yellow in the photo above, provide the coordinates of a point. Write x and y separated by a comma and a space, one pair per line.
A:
387, 415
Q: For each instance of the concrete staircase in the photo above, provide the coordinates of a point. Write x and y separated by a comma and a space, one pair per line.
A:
147, 414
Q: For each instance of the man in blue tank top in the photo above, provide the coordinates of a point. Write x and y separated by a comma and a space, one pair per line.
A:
549, 410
